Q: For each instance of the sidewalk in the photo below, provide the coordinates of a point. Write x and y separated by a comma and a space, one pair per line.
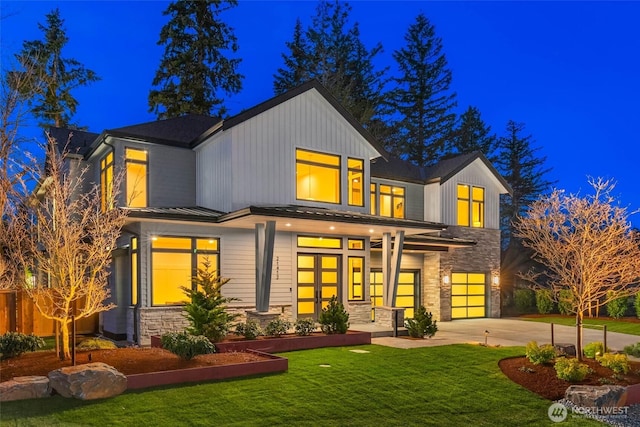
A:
505, 332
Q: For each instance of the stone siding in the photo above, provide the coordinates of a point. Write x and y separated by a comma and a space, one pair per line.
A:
359, 312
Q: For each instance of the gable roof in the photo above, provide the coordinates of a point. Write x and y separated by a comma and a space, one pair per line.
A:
75, 141
292, 93
397, 169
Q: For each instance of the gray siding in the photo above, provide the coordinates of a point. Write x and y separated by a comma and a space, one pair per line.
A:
432, 209
213, 170
261, 157
414, 197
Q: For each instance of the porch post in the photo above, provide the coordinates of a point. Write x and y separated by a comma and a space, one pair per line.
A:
396, 258
386, 268
265, 236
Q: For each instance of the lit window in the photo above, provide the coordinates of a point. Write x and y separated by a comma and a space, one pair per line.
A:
136, 166
317, 176
106, 182
174, 262
134, 270
391, 201
356, 271
470, 206
355, 244
319, 242
374, 207
356, 184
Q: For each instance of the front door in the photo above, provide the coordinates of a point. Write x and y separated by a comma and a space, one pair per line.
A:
318, 281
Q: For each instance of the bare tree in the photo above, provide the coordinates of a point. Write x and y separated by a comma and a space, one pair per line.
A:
65, 237
586, 245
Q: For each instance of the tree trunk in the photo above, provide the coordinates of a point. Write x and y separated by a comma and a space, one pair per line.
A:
64, 328
579, 315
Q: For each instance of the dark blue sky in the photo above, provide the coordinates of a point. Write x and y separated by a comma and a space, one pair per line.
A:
569, 70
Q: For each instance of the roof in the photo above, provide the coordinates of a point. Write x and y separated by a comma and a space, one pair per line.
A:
423, 242
195, 213
395, 168
76, 141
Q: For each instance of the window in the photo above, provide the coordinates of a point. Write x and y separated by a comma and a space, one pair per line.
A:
355, 244
470, 206
134, 270
317, 177
136, 166
106, 182
391, 201
356, 271
468, 295
356, 181
174, 261
319, 242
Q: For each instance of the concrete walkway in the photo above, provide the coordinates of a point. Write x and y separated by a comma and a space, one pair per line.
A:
505, 332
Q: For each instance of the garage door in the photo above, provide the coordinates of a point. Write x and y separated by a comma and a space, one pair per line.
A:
468, 292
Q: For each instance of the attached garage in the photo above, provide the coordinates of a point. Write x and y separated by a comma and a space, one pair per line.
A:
468, 295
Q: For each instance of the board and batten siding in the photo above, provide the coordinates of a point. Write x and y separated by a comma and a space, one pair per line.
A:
413, 196
213, 173
478, 175
260, 158
432, 201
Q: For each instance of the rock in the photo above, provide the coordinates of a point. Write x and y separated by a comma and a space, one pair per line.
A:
19, 388
605, 396
565, 349
89, 381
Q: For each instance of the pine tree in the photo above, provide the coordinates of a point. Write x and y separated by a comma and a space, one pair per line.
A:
333, 54
422, 97
473, 135
51, 78
194, 68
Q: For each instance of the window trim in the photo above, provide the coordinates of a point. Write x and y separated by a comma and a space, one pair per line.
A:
107, 202
350, 188
472, 204
337, 167
350, 281
128, 161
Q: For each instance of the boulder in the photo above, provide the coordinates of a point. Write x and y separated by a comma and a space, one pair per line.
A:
604, 396
19, 388
89, 381
565, 349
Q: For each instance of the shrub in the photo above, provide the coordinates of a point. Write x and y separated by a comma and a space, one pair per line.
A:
539, 355
618, 363
637, 305
187, 346
250, 329
525, 300
422, 324
544, 301
277, 327
594, 349
13, 344
565, 302
617, 307
207, 311
633, 350
96, 344
570, 369
305, 327
334, 319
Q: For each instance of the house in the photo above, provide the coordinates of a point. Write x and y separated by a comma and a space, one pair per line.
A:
295, 202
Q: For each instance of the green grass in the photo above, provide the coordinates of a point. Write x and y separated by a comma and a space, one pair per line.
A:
595, 323
434, 386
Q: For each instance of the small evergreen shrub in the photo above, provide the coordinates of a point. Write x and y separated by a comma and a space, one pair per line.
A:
250, 329
539, 355
544, 301
570, 369
594, 349
277, 327
305, 327
96, 344
422, 324
13, 344
618, 363
187, 346
636, 304
565, 302
633, 350
334, 319
617, 307
525, 300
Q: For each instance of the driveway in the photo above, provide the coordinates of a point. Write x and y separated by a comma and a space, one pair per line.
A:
507, 332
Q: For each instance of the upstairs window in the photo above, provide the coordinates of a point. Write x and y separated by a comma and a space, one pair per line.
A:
470, 206
390, 201
106, 182
136, 165
356, 184
317, 177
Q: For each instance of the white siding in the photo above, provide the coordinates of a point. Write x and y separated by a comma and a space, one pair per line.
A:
432, 210
479, 175
258, 159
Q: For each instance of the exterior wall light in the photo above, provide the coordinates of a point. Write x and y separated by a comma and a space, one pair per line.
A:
446, 279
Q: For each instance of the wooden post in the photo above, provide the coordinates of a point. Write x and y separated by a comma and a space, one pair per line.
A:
552, 337
604, 343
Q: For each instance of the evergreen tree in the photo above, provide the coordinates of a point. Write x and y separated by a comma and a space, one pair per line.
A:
473, 135
194, 68
46, 78
422, 98
333, 54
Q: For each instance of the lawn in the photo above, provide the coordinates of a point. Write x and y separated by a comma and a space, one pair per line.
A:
439, 386
621, 326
